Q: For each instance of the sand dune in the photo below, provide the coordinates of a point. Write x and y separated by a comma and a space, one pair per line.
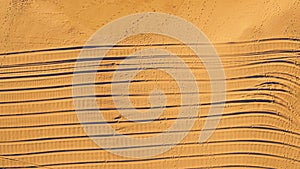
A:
258, 43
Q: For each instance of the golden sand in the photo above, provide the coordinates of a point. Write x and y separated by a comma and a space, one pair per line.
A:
257, 41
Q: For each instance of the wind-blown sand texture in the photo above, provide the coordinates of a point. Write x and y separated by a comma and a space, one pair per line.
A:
258, 43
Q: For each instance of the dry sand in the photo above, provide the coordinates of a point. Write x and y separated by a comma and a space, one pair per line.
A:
258, 43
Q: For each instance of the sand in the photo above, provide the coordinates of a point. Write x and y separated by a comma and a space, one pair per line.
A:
258, 43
